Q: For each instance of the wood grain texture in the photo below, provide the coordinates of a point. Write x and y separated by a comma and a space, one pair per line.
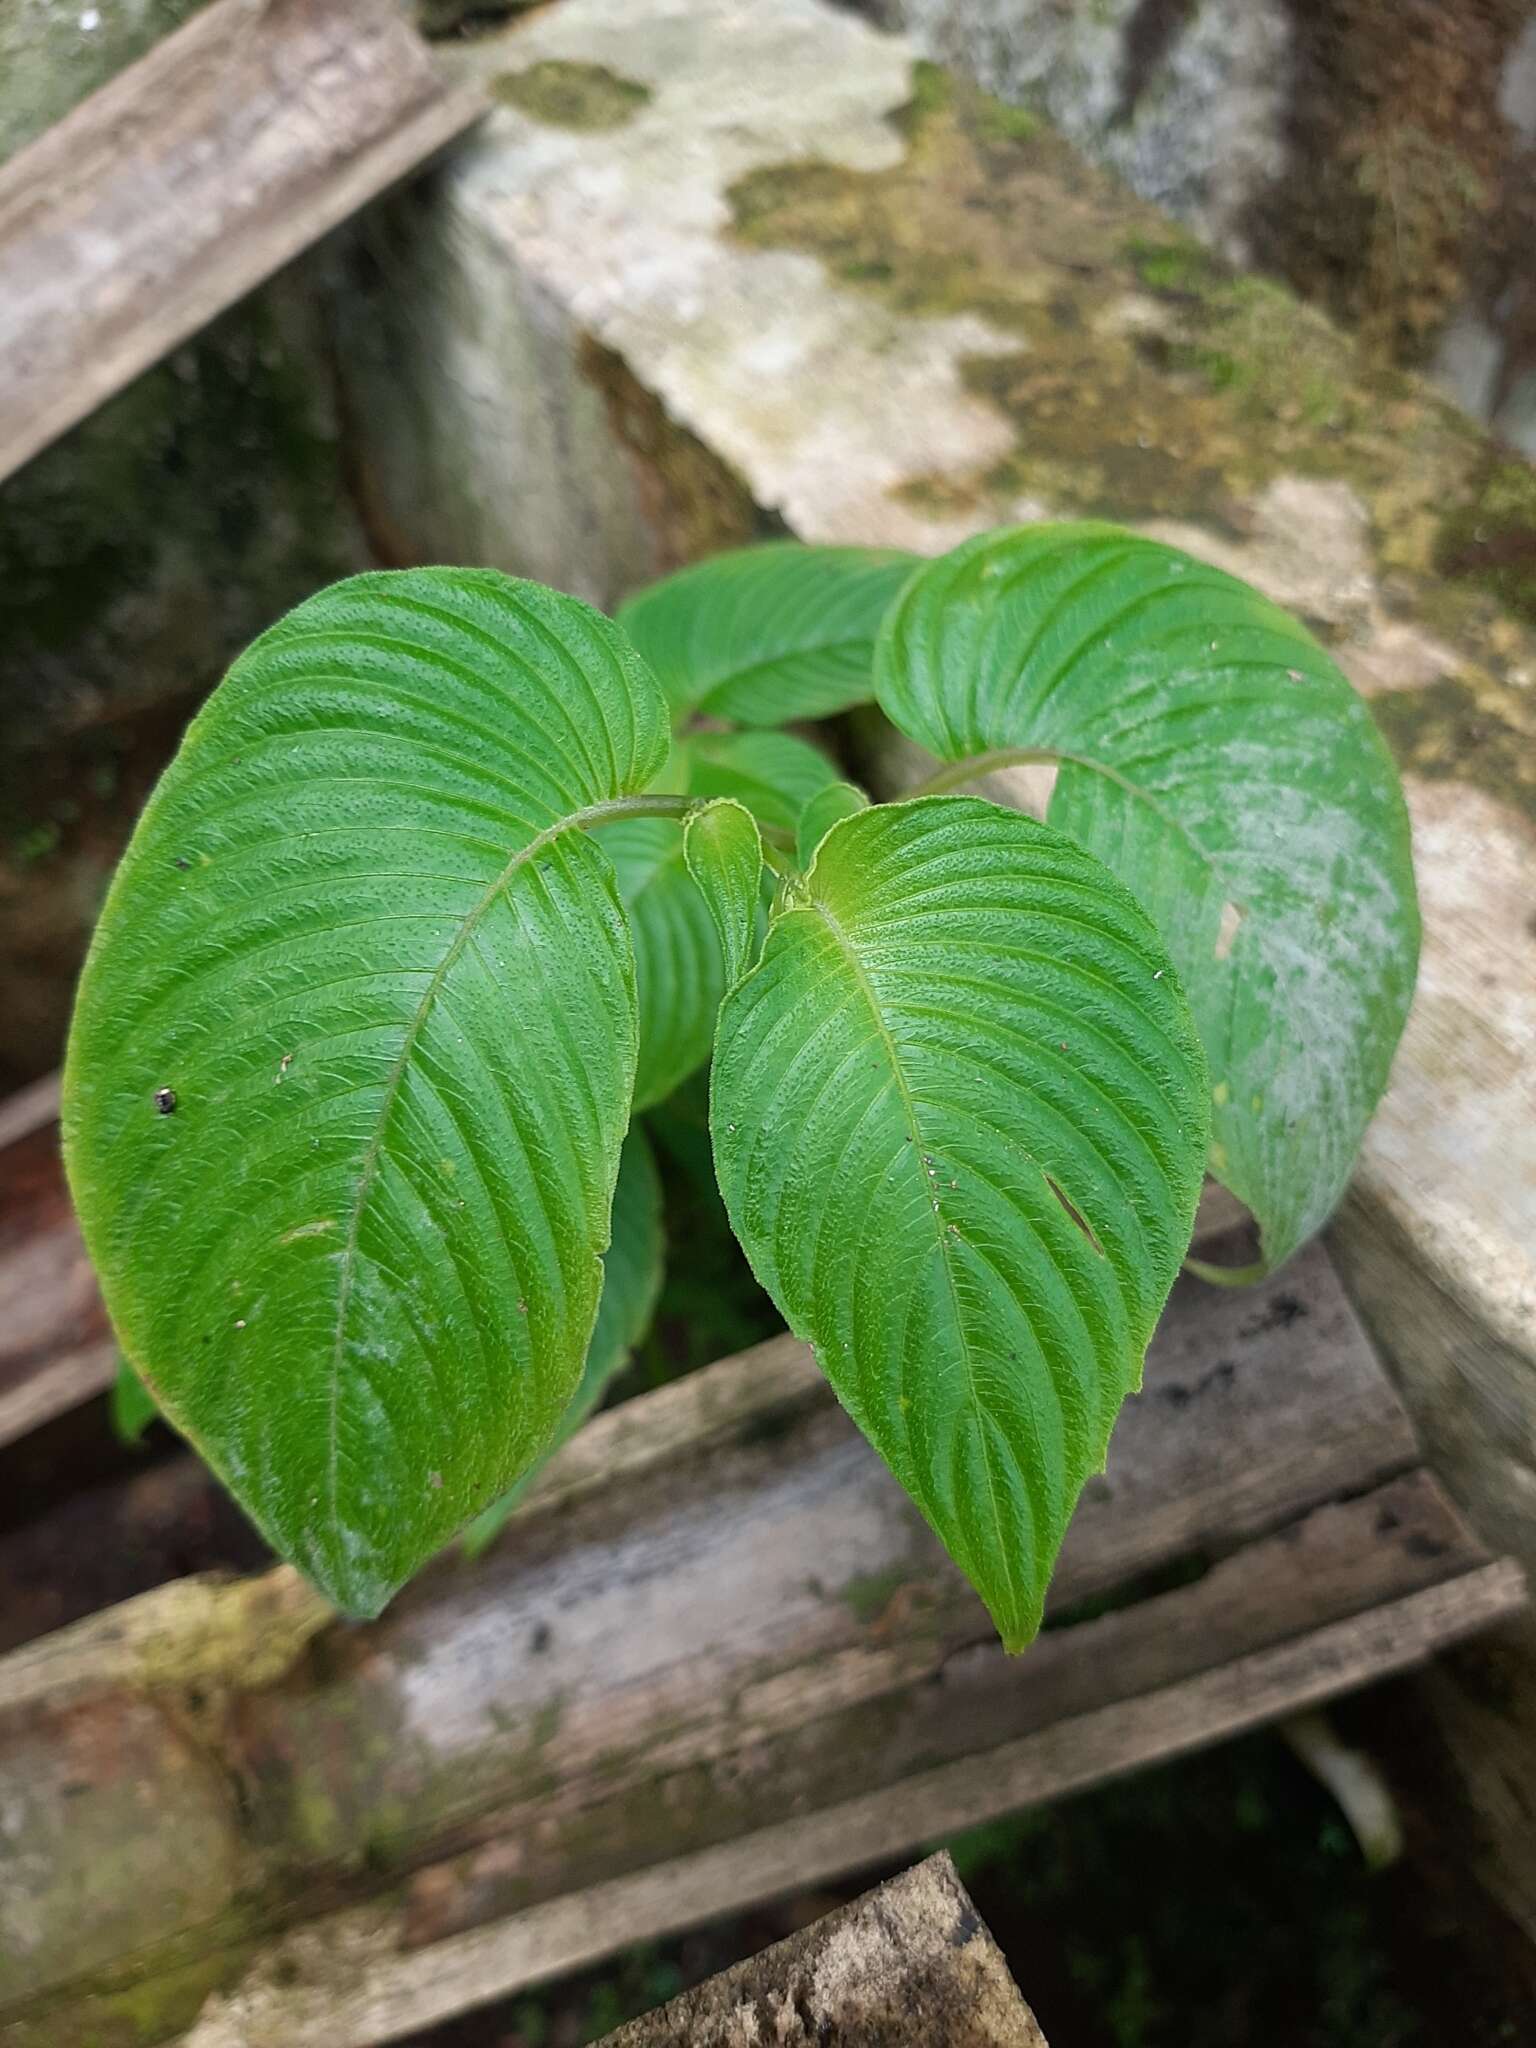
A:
363, 1977
716, 1622
166, 196
909, 1965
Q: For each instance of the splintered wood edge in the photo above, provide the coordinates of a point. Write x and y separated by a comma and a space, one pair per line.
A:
912, 1959
350, 1981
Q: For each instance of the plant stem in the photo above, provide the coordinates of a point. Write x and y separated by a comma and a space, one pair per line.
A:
1227, 1276
656, 804
956, 774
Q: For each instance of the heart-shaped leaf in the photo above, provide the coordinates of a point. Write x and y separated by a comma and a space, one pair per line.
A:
352, 1057
679, 972
1215, 757
767, 634
632, 1275
724, 852
959, 1117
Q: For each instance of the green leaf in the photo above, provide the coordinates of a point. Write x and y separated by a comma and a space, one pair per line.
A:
679, 971
352, 1056
838, 800
632, 1272
679, 975
1215, 757
774, 774
767, 634
959, 1117
724, 853
132, 1405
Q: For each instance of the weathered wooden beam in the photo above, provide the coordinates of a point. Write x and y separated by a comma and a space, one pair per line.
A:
197, 173
909, 1965
718, 1608
369, 1975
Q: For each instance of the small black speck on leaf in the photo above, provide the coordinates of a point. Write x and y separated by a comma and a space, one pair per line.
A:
178, 862
165, 1100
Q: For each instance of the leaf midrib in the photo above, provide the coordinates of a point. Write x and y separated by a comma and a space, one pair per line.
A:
856, 968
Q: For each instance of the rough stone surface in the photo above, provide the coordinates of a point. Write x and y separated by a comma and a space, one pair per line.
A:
910, 1965
1191, 113
1379, 154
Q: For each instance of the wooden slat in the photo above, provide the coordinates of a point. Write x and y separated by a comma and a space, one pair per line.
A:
361, 1977
909, 1965
717, 1608
163, 198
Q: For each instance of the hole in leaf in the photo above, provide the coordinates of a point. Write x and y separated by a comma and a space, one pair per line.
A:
1076, 1214
1226, 931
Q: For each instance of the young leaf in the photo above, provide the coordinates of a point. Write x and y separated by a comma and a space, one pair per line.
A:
678, 969
724, 853
352, 1055
837, 800
767, 634
632, 1273
959, 1117
1214, 756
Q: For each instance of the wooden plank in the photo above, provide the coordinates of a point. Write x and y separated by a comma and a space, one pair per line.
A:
717, 1605
361, 1977
909, 1965
231, 147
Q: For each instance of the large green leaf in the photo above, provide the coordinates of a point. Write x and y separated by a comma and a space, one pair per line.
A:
678, 968
959, 1117
352, 1057
1215, 757
767, 634
632, 1274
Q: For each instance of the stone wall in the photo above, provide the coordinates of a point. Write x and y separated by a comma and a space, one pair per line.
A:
1379, 155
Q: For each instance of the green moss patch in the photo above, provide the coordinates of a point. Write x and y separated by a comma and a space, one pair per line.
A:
1490, 539
588, 98
1482, 732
